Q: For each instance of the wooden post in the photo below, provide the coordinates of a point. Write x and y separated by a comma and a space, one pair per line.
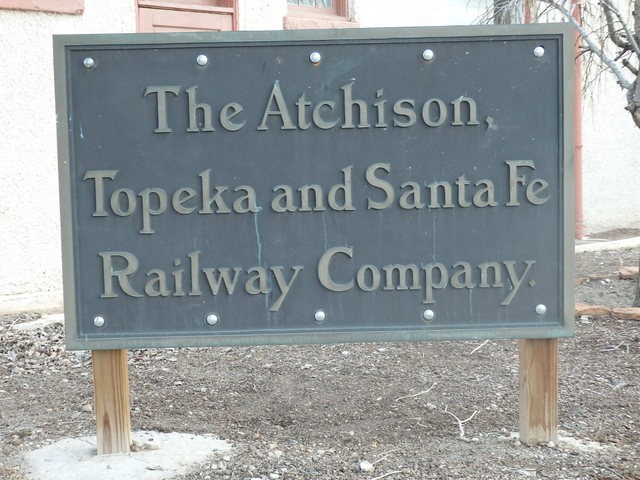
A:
111, 398
539, 390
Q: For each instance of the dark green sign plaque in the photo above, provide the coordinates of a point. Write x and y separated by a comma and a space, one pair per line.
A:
295, 187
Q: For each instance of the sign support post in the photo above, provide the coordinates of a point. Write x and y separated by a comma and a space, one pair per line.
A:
539, 390
111, 397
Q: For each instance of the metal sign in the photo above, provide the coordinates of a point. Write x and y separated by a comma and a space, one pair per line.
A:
295, 187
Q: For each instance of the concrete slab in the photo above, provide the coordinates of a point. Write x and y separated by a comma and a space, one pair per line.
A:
161, 456
46, 301
40, 323
597, 246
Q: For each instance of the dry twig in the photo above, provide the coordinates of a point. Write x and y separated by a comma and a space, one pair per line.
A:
417, 394
384, 455
387, 474
479, 347
460, 422
617, 347
613, 471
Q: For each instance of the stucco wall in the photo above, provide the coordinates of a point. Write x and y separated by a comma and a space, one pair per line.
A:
30, 271
410, 13
268, 14
611, 160
29, 212
261, 14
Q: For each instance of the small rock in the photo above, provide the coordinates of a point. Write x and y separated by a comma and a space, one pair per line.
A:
628, 273
274, 476
365, 467
87, 409
23, 432
431, 406
15, 440
527, 473
595, 310
136, 445
628, 313
151, 446
551, 445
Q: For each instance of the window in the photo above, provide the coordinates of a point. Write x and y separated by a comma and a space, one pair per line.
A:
317, 14
319, 7
186, 15
312, 3
74, 7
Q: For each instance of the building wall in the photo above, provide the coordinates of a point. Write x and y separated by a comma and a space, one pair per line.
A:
261, 14
611, 160
268, 14
410, 13
29, 212
30, 270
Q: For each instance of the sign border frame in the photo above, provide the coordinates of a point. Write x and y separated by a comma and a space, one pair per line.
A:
61, 44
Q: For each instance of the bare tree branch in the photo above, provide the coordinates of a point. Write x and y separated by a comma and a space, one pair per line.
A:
633, 107
630, 37
613, 66
636, 18
609, 33
613, 33
627, 64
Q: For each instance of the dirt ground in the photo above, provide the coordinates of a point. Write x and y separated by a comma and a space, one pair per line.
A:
317, 412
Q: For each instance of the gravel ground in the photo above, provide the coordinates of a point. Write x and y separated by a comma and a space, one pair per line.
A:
319, 412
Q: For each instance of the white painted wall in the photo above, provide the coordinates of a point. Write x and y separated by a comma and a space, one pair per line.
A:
268, 14
261, 14
30, 270
411, 13
611, 161
29, 212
